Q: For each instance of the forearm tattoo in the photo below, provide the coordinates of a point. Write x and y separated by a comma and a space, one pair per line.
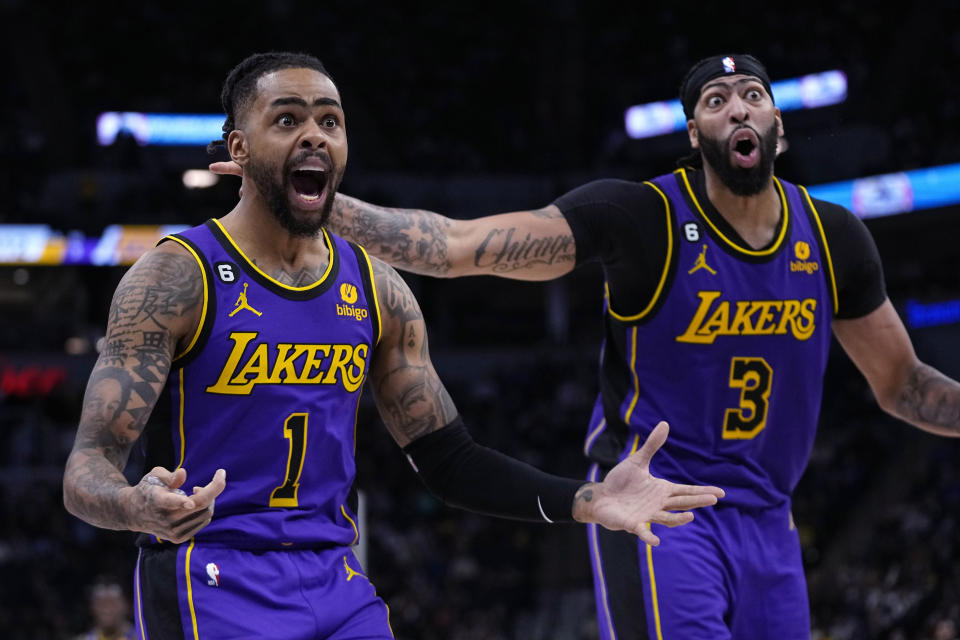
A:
126, 381
410, 239
504, 250
931, 397
410, 396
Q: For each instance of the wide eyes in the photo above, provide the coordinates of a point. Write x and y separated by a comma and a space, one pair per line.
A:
288, 120
716, 100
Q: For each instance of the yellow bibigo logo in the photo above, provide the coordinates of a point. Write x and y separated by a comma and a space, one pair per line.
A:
348, 293
802, 250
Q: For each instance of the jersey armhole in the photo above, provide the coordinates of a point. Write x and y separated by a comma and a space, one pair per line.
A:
662, 283
825, 249
206, 311
370, 285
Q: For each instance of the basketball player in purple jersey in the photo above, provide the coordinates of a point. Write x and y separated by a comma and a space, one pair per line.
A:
723, 283
247, 342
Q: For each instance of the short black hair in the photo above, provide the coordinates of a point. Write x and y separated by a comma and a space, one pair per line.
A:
241, 83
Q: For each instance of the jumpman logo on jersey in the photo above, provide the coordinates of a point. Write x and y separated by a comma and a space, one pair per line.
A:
350, 572
243, 304
701, 262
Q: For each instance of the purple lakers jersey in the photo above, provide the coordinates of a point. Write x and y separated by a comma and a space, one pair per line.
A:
731, 352
268, 389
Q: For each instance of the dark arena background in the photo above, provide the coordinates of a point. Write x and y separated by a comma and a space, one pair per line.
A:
469, 110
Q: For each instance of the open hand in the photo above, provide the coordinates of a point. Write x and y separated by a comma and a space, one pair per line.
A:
161, 508
629, 498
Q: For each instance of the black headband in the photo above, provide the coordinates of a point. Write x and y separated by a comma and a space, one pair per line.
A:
714, 67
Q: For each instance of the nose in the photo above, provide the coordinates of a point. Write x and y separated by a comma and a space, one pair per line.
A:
737, 108
314, 137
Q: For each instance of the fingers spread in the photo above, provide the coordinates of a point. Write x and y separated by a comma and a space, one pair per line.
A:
694, 489
680, 503
206, 495
673, 519
647, 536
653, 443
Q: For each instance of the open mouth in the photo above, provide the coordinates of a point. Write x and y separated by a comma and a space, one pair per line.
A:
744, 147
309, 183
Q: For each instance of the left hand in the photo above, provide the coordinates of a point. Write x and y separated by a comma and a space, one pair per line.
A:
629, 498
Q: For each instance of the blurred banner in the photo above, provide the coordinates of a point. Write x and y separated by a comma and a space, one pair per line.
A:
38, 244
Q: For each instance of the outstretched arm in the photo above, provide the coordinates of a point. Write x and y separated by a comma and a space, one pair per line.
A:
155, 305
521, 245
904, 386
422, 418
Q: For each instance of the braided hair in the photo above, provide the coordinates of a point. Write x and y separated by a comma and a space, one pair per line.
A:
240, 86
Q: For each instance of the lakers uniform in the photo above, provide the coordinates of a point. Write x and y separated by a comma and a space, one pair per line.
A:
731, 351
268, 390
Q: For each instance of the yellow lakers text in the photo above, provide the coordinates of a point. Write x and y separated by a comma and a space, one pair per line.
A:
715, 317
252, 363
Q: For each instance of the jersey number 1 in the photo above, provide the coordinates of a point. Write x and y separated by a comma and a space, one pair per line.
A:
753, 376
294, 430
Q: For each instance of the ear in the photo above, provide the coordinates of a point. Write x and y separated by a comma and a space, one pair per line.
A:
692, 134
779, 122
238, 147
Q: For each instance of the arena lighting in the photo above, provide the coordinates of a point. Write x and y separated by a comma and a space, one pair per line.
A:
932, 314
165, 129
893, 193
199, 178
869, 197
806, 92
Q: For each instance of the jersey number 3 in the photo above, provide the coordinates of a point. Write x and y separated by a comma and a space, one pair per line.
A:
753, 376
294, 430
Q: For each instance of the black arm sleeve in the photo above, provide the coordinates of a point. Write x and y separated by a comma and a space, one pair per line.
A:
856, 261
624, 225
463, 474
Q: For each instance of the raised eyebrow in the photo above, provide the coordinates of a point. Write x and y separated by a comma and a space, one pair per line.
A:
300, 102
726, 85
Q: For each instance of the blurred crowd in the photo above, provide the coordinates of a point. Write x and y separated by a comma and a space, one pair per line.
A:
880, 530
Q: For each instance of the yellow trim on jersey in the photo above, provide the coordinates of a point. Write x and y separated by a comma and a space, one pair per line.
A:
183, 440
653, 593
750, 252
663, 276
193, 612
356, 532
826, 250
595, 548
636, 380
326, 239
139, 605
635, 445
592, 436
203, 310
376, 298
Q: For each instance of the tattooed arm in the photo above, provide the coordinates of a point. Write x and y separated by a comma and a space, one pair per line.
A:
903, 385
154, 312
522, 245
422, 418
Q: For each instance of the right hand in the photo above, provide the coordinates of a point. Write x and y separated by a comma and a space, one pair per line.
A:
226, 168
159, 507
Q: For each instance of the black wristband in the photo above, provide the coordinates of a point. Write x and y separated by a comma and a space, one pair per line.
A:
464, 474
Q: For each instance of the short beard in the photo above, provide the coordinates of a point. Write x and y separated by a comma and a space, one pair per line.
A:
275, 195
742, 182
